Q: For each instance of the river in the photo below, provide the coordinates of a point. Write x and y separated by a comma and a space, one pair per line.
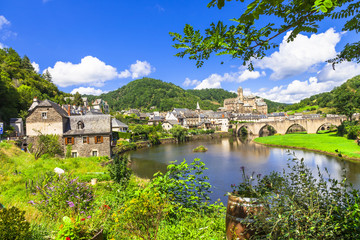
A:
225, 157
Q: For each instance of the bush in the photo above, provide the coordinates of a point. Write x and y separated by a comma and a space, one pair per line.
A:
13, 225
47, 144
64, 194
185, 184
303, 206
119, 171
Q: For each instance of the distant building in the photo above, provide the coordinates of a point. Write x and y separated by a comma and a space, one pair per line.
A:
101, 105
18, 125
245, 104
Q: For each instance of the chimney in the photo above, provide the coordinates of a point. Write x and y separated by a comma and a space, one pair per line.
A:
69, 113
35, 99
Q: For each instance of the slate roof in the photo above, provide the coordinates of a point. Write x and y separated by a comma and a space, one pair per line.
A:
173, 122
117, 123
93, 124
16, 120
48, 103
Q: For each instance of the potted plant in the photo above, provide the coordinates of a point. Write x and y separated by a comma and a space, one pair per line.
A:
243, 203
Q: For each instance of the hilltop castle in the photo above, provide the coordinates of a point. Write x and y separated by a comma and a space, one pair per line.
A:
245, 104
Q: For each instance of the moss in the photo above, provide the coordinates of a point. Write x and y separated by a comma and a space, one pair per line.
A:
200, 148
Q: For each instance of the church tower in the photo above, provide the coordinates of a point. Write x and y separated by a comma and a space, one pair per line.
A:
240, 94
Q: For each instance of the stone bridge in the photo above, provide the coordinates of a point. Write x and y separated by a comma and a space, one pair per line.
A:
282, 127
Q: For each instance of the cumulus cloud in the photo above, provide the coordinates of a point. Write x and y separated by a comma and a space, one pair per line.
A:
297, 90
89, 71
36, 66
140, 69
214, 80
93, 72
87, 91
3, 21
188, 82
300, 55
342, 72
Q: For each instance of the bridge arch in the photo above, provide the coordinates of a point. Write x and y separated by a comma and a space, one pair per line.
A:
295, 127
267, 130
325, 126
244, 130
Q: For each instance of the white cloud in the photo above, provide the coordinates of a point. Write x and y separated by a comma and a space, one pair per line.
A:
188, 82
297, 90
342, 72
301, 54
87, 91
90, 71
3, 21
214, 80
140, 69
36, 66
93, 72
2, 45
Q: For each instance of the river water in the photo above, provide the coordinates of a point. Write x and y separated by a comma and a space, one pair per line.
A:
225, 157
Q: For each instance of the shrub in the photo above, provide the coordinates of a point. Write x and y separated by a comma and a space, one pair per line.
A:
303, 206
64, 194
186, 184
119, 171
13, 225
47, 144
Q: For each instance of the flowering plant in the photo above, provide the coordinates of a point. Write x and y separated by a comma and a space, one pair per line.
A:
64, 194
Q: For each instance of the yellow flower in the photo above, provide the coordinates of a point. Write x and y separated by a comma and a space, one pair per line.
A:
116, 220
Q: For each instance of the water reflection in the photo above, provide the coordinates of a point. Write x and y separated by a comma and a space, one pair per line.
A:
225, 157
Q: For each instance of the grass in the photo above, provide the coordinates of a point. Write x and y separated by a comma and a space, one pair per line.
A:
18, 167
325, 142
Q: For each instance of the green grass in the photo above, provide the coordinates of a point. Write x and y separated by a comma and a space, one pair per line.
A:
326, 142
18, 167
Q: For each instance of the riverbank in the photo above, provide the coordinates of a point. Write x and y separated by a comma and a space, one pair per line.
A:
125, 146
326, 143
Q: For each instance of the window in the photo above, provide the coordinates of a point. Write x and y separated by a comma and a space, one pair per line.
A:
85, 139
44, 115
94, 153
74, 154
99, 139
80, 125
69, 140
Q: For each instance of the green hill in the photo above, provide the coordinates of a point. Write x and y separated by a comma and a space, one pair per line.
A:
147, 92
341, 100
19, 84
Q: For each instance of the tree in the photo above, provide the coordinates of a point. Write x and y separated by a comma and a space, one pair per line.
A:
47, 76
249, 38
346, 101
78, 100
46, 144
179, 133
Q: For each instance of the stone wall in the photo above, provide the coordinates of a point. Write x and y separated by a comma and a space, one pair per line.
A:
53, 124
86, 149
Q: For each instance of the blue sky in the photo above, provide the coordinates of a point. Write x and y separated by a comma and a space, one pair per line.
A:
94, 46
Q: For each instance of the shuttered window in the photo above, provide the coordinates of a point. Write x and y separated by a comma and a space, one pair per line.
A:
69, 141
99, 139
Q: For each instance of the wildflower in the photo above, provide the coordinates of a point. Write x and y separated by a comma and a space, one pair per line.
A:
32, 202
67, 238
88, 216
61, 226
71, 204
83, 219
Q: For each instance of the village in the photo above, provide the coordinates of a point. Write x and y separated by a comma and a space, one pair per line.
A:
91, 131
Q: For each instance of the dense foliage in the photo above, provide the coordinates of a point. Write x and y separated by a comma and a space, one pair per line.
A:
300, 205
13, 225
251, 35
19, 84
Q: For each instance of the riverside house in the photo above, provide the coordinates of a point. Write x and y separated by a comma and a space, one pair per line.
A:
85, 135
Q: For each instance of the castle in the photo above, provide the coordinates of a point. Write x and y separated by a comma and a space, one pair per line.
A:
245, 104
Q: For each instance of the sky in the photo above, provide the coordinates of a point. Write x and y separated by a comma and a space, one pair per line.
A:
96, 46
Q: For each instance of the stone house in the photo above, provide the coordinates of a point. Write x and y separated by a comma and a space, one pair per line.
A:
87, 135
17, 124
169, 124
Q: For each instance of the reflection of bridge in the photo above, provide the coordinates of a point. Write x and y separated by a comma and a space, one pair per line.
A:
282, 127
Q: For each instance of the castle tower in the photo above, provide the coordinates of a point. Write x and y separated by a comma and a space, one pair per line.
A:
240, 94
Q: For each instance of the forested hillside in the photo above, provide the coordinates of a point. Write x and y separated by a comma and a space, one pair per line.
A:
19, 84
344, 99
147, 92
